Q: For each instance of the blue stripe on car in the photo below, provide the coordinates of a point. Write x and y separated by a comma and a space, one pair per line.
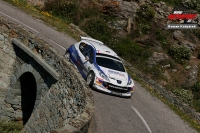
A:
75, 58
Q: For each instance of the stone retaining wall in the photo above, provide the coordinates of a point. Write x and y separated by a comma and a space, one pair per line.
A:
63, 103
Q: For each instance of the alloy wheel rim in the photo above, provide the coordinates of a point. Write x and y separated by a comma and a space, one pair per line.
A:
89, 78
67, 55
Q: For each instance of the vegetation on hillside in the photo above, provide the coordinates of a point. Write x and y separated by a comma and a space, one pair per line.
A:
10, 127
94, 22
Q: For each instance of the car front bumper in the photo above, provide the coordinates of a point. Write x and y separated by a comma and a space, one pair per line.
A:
103, 89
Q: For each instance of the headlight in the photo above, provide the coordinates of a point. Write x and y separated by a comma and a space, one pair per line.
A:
103, 76
129, 82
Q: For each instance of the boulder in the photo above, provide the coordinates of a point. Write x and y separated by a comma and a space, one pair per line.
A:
156, 58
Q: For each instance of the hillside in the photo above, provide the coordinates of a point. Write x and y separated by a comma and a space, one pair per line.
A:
136, 30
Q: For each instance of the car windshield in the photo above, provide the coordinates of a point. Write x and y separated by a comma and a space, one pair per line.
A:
110, 63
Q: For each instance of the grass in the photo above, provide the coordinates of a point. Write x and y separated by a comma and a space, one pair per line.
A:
63, 26
48, 19
10, 127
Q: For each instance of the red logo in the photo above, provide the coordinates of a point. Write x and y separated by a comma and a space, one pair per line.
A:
182, 16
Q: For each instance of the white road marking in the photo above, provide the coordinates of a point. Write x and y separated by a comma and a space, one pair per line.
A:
57, 44
30, 28
19, 22
143, 120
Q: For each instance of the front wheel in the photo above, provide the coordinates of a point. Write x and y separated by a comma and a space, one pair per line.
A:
90, 79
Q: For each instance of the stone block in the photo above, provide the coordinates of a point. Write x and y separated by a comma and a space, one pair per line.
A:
2, 44
13, 101
1, 37
16, 92
3, 84
2, 55
8, 69
8, 112
2, 65
18, 115
12, 54
16, 107
5, 77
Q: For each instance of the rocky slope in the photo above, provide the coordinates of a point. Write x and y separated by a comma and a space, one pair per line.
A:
175, 53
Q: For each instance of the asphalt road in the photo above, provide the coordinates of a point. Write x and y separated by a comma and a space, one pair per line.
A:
142, 113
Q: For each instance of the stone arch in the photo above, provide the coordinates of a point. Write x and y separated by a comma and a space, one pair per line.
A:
28, 94
15, 92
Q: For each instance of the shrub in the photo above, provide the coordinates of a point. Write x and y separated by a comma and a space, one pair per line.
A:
97, 28
196, 87
63, 9
179, 53
196, 105
169, 2
128, 49
10, 127
184, 95
145, 13
197, 33
192, 4
161, 38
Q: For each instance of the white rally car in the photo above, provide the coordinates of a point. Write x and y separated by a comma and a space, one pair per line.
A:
100, 67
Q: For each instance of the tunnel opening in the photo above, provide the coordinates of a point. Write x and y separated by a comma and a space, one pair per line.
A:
28, 95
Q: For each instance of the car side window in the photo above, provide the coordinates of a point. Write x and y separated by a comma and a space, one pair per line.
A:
82, 46
87, 51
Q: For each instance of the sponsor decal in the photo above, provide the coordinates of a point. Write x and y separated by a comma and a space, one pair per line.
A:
89, 68
122, 75
181, 18
116, 73
117, 87
99, 81
113, 72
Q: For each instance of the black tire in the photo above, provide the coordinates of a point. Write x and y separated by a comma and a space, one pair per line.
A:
67, 55
90, 79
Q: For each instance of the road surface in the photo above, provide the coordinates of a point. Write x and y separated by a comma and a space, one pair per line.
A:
142, 113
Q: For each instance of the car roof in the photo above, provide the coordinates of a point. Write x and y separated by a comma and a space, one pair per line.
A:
99, 46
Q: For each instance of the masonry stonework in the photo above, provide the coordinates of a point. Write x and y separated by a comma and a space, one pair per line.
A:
63, 102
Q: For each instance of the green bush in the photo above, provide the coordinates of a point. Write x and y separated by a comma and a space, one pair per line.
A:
169, 2
63, 9
197, 33
184, 95
179, 53
10, 127
161, 38
145, 13
97, 28
196, 105
192, 4
128, 49
196, 87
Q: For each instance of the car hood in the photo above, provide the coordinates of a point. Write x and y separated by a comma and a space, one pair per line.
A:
115, 75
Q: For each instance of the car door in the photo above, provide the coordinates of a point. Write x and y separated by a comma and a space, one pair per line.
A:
87, 56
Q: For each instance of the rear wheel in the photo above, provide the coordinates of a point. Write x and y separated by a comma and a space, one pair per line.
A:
67, 55
90, 79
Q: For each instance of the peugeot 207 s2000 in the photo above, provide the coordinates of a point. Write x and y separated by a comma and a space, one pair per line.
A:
100, 67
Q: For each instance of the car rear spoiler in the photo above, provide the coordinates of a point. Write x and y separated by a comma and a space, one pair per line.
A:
91, 39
